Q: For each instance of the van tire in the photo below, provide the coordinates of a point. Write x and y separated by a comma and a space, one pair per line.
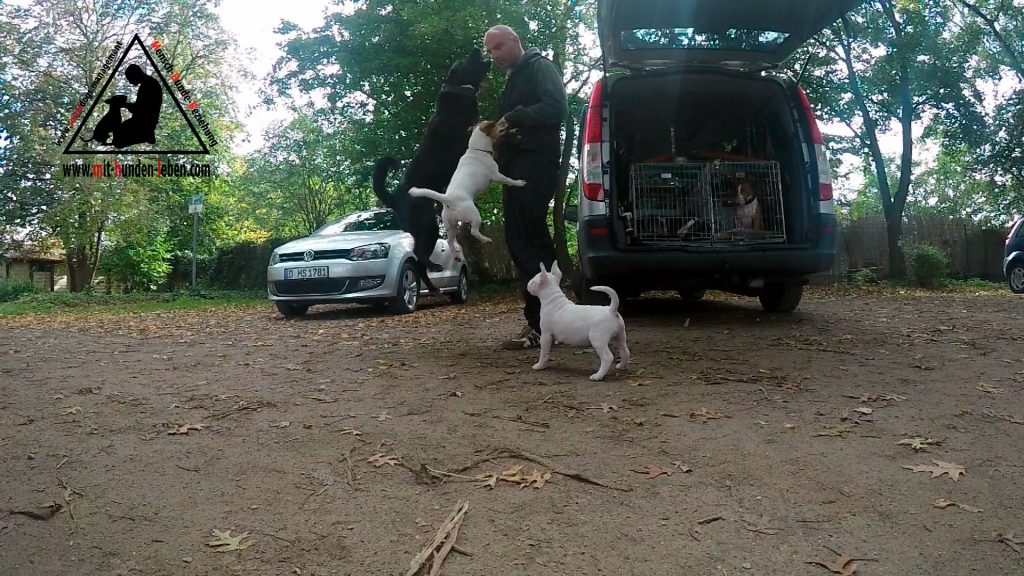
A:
781, 297
581, 289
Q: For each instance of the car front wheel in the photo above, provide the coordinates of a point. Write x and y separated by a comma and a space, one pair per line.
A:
1016, 278
291, 310
404, 301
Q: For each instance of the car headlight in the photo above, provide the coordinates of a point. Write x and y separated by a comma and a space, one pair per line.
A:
275, 258
370, 252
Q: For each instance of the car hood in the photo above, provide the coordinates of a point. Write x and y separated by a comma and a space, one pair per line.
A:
343, 240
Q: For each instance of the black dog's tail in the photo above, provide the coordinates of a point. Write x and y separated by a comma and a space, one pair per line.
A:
380, 185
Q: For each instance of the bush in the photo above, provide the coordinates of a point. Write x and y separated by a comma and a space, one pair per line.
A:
242, 266
11, 291
927, 266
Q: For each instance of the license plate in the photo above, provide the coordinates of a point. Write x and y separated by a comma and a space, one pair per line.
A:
306, 273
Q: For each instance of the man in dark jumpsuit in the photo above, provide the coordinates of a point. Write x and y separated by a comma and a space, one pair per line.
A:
534, 104
141, 127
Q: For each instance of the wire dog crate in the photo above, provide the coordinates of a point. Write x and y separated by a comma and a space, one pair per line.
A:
701, 203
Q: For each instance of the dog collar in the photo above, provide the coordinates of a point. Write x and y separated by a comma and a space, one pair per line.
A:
491, 152
467, 89
750, 200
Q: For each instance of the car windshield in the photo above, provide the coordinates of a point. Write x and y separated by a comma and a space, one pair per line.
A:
360, 222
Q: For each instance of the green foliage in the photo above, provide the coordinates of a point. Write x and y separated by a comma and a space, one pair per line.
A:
86, 301
140, 265
927, 266
242, 266
11, 291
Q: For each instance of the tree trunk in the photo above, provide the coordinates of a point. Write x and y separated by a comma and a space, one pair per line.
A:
558, 216
78, 269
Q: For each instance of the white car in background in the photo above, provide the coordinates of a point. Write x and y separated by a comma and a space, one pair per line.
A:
361, 258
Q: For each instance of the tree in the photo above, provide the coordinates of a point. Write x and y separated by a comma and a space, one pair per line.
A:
50, 51
377, 70
901, 65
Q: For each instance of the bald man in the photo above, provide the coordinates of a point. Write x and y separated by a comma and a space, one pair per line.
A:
534, 103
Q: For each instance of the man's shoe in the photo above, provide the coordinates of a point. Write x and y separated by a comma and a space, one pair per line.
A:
528, 338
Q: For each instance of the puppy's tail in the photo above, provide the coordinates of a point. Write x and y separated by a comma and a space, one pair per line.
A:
614, 308
427, 193
380, 174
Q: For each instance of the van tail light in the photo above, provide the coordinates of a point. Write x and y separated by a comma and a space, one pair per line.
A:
824, 172
593, 177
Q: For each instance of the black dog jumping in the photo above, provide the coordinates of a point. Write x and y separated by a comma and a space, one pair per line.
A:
446, 139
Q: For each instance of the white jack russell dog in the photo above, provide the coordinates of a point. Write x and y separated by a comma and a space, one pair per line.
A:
474, 173
577, 325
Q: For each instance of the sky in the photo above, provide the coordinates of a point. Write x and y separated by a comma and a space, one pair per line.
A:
252, 24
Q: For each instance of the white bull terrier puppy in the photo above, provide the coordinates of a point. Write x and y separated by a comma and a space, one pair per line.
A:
576, 325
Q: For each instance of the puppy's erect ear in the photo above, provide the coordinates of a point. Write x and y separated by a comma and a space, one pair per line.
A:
543, 268
488, 127
554, 269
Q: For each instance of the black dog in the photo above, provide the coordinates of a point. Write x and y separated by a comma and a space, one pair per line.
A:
446, 140
110, 121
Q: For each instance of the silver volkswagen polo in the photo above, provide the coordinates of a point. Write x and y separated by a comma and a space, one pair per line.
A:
363, 258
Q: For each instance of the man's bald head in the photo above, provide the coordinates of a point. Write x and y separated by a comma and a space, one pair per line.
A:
503, 45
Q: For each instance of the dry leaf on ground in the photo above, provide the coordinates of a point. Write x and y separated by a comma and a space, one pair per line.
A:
989, 389
382, 416
842, 565
381, 459
487, 481
953, 470
351, 431
944, 503
652, 471
281, 425
225, 542
704, 415
1013, 419
682, 467
72, 410
184, 429
1010, 540
919, 443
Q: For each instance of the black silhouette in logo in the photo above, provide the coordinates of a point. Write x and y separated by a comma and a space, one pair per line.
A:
145, 112
140, 126
110, 121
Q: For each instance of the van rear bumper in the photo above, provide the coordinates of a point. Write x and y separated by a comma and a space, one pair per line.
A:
657, 268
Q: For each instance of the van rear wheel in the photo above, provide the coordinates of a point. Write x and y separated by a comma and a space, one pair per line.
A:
780, 297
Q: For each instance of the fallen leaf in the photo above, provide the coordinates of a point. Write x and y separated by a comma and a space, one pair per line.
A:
535, 478
952, 470
942, 503
487, 481
351, 431
225, 542
704, 415
381, 459
918, 443
652, 471
1010, 540
842, 565
789, 426
989, 389
72, 410
184, 429
382, 416
864, 410
281, 425
455, 394
682, 467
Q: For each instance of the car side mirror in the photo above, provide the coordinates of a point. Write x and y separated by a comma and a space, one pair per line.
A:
572, 213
